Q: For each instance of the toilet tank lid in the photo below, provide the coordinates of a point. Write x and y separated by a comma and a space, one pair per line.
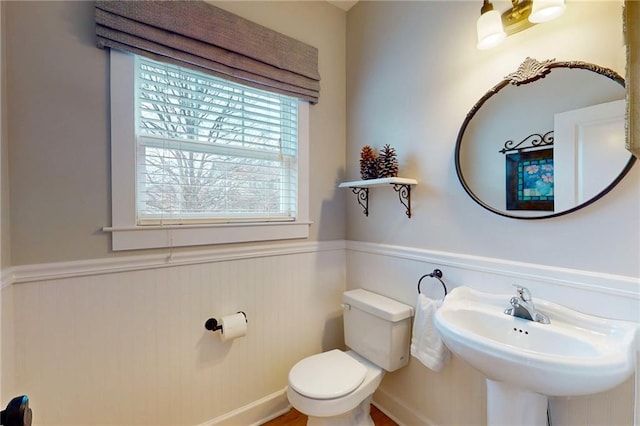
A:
378, 305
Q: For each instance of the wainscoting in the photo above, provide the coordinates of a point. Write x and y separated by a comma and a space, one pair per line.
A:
122, 341
457, 394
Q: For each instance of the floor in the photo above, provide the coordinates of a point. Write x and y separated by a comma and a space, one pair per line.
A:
295, 418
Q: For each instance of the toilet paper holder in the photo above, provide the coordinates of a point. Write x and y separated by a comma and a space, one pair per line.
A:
212, 323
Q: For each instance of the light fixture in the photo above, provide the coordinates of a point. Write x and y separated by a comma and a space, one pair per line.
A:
489, 27
493, 27
546, 10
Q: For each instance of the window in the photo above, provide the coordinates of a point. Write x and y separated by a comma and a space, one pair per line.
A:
201, 160
210, 150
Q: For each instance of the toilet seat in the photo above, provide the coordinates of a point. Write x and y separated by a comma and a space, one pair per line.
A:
327, 375
327, 408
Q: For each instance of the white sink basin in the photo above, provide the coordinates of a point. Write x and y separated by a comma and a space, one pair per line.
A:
576, 354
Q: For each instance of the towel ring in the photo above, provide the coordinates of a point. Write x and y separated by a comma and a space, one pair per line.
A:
437, 274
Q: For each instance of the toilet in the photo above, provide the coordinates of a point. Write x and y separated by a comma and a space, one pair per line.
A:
336, 387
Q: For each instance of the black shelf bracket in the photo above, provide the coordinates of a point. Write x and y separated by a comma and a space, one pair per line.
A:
404, 195
401, 185
363, 198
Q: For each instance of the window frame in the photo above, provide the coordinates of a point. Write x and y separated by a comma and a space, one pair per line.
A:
127, 235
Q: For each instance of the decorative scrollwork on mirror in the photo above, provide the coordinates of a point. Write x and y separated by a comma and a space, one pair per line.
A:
565, 169
535, 140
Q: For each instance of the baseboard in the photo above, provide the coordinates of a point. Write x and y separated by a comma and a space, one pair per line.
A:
255, 413
388, 413
397, 411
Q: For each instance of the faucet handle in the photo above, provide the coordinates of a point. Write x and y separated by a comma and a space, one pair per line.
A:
523, 292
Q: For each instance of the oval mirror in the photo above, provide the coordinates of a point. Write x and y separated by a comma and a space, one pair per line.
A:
545, 141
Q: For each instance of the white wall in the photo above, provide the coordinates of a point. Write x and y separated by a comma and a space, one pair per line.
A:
413, 73
95, 337
417, 395
59, 173
122, 341
120, 338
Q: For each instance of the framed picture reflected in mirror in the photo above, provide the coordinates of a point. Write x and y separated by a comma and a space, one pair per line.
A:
529, 179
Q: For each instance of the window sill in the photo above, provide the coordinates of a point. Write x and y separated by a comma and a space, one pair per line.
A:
144, 237
124, 232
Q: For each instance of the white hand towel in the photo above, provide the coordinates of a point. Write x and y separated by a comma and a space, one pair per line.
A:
426, 344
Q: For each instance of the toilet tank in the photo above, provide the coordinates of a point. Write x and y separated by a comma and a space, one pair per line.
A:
377, 328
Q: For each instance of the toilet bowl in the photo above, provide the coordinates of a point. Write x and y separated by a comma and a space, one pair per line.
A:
336, 387
342, 393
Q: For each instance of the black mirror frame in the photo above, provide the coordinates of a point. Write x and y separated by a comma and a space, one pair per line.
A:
529, 71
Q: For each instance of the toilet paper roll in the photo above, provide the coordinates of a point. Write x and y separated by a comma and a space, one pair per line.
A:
233, 326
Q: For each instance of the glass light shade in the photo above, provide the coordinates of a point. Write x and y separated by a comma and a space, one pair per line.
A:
546, 10
490, 30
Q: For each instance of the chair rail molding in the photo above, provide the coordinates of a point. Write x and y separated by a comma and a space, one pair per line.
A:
394, 271
60, 270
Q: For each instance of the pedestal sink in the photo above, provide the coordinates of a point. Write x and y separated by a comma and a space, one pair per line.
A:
526, 361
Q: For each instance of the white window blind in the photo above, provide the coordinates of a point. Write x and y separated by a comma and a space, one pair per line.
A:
209, 150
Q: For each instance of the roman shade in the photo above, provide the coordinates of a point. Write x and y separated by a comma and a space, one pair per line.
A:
206, 38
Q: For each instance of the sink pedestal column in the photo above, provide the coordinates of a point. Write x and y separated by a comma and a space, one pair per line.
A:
510, 405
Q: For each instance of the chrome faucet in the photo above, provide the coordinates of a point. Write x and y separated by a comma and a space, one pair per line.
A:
522, 307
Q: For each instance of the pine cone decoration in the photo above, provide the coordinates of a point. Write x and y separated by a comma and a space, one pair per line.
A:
368, 163
387, 162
